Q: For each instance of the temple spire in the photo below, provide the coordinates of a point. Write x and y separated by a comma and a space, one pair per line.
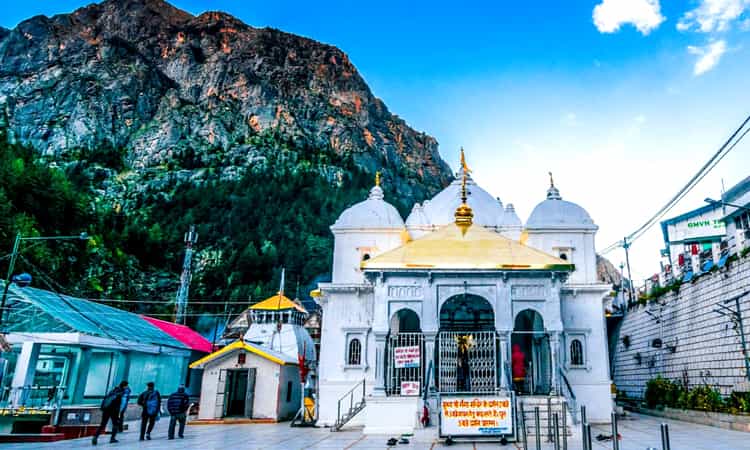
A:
464, 215
377, 178
552, 193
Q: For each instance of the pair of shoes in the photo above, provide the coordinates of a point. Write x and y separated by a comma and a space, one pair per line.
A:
392, 442
113, 440
94, 440
148, 437
403, 441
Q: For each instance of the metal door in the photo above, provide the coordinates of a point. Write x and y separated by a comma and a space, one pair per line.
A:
483, 361
221, 394
250, 393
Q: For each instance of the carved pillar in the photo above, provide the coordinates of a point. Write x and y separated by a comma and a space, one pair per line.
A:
429, 358
504, 338
380, 338
554, 344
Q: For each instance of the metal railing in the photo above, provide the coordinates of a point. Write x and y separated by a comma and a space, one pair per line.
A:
481, 374
570, 396
399, 370
347, 401
32, 397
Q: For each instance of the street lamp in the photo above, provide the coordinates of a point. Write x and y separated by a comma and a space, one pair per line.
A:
16, 245
711, 201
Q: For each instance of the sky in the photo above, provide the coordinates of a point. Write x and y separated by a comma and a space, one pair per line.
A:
623, 100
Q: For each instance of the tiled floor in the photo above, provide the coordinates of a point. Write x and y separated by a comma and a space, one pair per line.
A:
638, 433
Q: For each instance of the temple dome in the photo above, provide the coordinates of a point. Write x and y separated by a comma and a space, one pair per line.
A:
488, 211
373, 213
556, 213
510, 218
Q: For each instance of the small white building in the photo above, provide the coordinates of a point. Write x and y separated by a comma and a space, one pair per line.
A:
258, 377
404, 294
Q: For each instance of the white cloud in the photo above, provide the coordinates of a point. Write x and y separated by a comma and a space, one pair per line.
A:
644, 15
713, 15
708, 56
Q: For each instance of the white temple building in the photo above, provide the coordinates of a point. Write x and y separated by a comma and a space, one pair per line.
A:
436, 304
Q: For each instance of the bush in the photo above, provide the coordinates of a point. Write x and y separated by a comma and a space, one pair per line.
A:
662, 392
739, 402
705, 398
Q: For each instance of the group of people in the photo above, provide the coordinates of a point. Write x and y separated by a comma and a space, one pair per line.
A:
116, 402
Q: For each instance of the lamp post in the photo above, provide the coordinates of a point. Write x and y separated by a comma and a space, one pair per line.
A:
14, 256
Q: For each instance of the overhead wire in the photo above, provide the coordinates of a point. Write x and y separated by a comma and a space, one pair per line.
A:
728, 146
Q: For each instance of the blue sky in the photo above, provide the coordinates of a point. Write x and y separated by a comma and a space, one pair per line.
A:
623, 100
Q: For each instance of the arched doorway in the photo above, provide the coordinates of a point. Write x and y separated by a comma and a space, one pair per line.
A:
405, 360
467, 352
530, 354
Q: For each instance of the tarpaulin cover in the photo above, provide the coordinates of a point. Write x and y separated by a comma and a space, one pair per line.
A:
182, 333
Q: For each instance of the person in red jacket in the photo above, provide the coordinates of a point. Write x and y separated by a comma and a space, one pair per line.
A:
518, 360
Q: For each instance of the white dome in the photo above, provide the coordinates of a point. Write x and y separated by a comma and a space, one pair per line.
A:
556, 213
417, 217
488, 211
373, 213
511, 219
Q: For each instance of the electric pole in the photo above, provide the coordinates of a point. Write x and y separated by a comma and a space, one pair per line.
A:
191, 237
626, 246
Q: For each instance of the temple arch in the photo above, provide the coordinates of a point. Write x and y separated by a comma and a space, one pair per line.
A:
530, 354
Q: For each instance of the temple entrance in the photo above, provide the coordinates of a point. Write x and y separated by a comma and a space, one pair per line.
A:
405, 360
467, 350
531, 363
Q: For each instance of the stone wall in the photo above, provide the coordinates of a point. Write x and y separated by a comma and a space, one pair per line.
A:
707, 348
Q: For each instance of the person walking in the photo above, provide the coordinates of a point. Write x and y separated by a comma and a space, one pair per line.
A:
110, 412
177, 405
150, 401
124, 407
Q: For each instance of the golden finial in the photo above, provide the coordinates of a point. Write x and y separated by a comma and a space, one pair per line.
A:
464, 215
551, 181
377, 178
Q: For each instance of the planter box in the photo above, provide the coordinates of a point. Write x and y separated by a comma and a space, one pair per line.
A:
714, 419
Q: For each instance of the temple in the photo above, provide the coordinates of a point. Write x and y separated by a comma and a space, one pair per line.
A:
461, 299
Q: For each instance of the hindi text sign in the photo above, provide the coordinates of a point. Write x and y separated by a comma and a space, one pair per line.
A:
475, 416
405, 357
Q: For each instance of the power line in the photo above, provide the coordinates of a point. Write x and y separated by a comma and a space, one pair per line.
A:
728, 146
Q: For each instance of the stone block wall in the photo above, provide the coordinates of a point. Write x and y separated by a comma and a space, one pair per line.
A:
707, 348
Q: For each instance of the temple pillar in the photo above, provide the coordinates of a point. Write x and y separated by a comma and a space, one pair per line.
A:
429, 350
554, 344
380, 338
504, 341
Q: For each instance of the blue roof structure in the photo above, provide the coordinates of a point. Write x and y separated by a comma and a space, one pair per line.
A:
32, 310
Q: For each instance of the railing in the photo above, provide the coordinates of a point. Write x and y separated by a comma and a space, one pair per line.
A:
409, 370
570, 396
353, 407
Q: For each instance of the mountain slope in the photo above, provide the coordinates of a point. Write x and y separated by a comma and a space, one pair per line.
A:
165, 86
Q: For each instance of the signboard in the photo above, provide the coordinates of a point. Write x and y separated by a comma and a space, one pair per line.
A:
485, 415
409, 388
405, 357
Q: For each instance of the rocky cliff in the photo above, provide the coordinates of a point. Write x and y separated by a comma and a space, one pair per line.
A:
156, 87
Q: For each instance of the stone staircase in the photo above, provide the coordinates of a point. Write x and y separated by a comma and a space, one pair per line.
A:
548, 406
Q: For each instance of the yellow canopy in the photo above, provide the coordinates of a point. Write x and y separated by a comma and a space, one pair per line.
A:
278, 302
475, 247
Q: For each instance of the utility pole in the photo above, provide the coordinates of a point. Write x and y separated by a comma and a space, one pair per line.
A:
191, 237
11, 267
626, 245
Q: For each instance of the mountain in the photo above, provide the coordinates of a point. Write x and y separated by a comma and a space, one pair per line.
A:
149, 119
162, 87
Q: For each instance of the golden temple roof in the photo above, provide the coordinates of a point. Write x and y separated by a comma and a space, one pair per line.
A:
278, 302
461, 248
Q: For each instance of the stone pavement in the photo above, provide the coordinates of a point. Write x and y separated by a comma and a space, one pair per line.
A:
638, 433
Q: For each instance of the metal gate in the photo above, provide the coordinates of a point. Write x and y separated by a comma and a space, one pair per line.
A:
405, 369
483, 361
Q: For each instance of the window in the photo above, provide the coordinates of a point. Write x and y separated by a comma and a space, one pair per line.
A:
563, 256
355, 353
288, 391
576, 353
366, 257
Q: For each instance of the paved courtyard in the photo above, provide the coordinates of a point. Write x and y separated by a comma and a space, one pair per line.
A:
638, 433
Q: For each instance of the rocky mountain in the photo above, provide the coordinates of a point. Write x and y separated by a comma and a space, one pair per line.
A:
153, 86
607, 272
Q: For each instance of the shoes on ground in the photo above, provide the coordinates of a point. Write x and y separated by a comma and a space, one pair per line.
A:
113, 440
392, 441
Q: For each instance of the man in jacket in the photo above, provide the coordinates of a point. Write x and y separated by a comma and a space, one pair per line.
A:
177, 405
150, 401
124, 407
110, 412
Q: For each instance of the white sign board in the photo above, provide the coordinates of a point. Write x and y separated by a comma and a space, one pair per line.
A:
404, 357
464, 415
409, 388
